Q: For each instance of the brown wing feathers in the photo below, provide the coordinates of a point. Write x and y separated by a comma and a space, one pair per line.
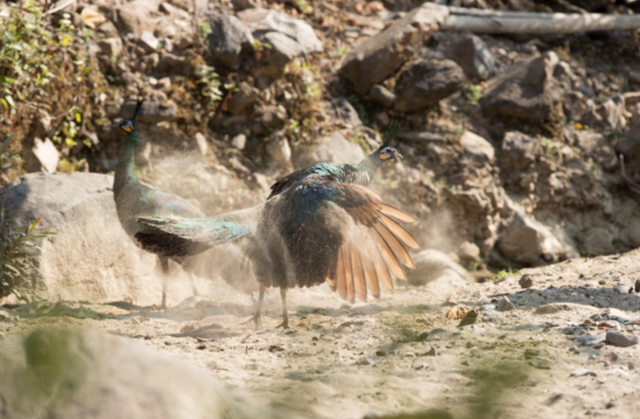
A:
358, 267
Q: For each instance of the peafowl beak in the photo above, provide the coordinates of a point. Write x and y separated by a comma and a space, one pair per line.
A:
396, 155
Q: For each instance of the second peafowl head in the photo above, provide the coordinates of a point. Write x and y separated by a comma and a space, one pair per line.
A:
129, 125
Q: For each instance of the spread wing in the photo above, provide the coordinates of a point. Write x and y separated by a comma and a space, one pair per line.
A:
374, 249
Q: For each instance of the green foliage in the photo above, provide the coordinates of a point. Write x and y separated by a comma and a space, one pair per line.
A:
504, 274
15, 244
474, 92
210, 85
44, 66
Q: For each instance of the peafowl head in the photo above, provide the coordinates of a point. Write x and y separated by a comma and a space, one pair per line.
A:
386, 153
129, 125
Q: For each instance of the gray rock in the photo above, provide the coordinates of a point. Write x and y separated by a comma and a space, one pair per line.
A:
228, 37
477, 147
587, 141
622, 289
636, 285
425, 83
381, 95
283, 49
148, 42
505, 305
341, 109
629, 145
76, 374
380, 56
279, 150
108, 30
261, 21
42, 157
333, 148
80, 208
620, 340
475, 58
432, 264
598, 241
576, 104
526, 91
111, 46
528, 242
519, 150
468, 251
153, 112
492, 316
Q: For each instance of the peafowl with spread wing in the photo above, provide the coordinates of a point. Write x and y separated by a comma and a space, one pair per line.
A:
319, 224
134, 199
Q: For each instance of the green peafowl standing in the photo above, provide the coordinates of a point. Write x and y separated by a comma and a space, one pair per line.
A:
134, 199
319, 224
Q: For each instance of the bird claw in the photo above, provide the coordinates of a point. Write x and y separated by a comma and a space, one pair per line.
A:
257, 321
284, 325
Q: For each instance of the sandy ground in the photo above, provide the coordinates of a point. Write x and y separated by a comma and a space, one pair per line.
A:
545, 358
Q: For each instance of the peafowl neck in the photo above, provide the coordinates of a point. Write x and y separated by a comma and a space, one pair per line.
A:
367, 168
126, 168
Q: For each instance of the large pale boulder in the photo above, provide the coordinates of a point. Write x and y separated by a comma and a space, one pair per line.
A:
75, 374
333, 148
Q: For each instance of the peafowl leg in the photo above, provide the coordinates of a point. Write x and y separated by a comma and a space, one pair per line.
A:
193, 284
164, 263
285, 314
257, 317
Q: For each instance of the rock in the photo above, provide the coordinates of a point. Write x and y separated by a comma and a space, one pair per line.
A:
273, 116
475, 58
283, 49
526, 91
341, 109
519, 150
636, 285
598, 241
581, 372
333, 148
528, 242
477, 148
468, 251
587, 141
425, 83
83, 371
42, 157
610, 115
526, 281
505, 305
133, 20
148, 42
620, 339
42, 127
629, 145
381, 95
278, 149
622, 289
246, 96
152, 112
239, 141
458, 312
80, 208
228, 37
108, 30
261, 21
203, 146
380, 56
576, 104
469, 319
430, 265
239, 5
111, 46
172, 64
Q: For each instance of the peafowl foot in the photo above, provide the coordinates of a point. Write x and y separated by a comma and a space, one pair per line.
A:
284, 324
257, 321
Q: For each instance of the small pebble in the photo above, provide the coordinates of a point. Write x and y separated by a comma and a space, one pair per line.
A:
505, 304
469, 318
637, 285
622, 289
620, 339
531, 353
526, 281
